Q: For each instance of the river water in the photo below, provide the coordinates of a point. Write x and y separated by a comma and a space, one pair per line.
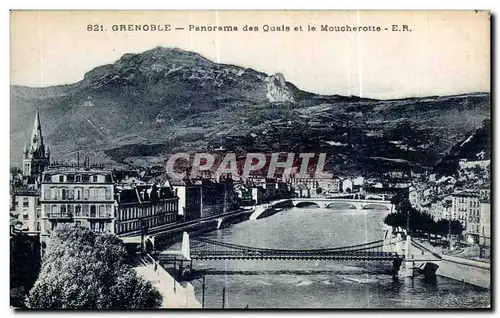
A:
318, 284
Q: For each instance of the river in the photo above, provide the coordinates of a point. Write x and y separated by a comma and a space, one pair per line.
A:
318, 284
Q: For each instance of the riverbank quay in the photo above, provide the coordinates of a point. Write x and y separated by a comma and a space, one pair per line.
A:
468, 271
175, 295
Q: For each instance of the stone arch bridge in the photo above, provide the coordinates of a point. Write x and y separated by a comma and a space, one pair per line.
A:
360, 204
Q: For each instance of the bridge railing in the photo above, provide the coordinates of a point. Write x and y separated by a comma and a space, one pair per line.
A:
216, 247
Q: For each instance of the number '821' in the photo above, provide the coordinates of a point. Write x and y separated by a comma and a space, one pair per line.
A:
95, 27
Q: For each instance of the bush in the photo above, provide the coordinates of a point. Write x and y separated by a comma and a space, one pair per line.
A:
82, 270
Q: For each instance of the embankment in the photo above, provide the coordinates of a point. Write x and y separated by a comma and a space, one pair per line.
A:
174, 294
461, 269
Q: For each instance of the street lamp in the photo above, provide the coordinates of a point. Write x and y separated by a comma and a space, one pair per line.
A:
202, 291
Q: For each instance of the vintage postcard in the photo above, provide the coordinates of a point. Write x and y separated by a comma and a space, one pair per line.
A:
250, 159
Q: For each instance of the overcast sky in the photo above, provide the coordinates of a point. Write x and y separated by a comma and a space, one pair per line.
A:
445, 52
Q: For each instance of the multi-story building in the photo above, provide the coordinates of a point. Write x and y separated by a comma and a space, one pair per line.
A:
76, 194
485, 215
465, 204
436, 209
217, 197
145, 208
485, 223
35, 157
26, 206
189, 193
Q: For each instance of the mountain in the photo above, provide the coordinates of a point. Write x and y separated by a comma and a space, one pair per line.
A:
145, 106
476, 147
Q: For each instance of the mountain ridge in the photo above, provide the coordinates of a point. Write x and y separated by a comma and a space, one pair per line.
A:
184, 101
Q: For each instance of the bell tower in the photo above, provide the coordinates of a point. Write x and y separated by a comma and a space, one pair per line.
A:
35, 156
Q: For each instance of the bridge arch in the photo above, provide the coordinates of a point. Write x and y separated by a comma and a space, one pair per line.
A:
340, 205
307, 204
375, 206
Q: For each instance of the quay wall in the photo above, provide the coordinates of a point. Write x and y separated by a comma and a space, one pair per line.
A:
465, 270
174, 294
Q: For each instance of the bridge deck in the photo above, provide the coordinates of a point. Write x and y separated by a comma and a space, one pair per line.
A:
237, 255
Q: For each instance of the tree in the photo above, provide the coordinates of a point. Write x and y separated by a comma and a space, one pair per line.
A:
442, 227
82, 270
24, 266
456, 228
395, 220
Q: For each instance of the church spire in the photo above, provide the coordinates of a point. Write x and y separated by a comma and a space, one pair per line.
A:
37, 146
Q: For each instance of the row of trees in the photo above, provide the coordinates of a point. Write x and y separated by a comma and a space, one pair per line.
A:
416, 221
82, 270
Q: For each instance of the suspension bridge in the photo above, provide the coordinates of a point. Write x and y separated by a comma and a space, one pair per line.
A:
206, 249
214, 250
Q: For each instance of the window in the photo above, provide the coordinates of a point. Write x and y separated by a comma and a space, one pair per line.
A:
54, 209
92, 211
102, 193
38, 213
61, 178
78, 210
85, 210
102, 212
92, 226
86, 194
101, 226
78, 178
108, 193
64, 194
26, 202
63, 209
46, 193
38, 226
55, 193
78, 193
94, 178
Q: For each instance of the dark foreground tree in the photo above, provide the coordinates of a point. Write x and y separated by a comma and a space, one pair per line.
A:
24, 266
83, 270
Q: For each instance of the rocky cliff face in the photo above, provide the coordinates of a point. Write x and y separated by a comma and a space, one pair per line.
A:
277, 89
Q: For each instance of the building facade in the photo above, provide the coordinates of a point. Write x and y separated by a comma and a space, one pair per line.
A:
145, 209
189, 193
78, 195
26, 206
465, 204
217, 197
485, 223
